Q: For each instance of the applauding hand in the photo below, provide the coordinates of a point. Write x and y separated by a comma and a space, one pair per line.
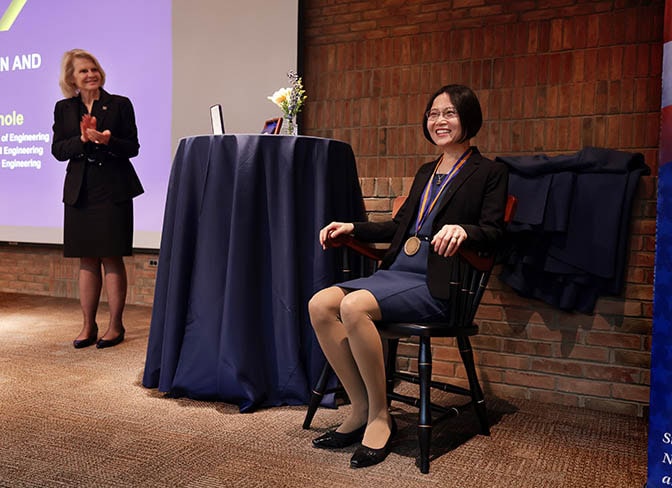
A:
88, 130
88, 122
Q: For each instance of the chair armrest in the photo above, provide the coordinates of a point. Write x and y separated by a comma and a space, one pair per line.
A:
363, 248
480, 261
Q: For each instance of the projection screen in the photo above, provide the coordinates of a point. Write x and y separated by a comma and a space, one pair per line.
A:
172, 59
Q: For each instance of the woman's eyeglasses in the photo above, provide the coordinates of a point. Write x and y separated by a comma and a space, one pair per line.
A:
448, 113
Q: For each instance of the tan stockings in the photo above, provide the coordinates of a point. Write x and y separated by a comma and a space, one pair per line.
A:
345, 329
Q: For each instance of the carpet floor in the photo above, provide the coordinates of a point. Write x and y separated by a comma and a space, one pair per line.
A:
82, 418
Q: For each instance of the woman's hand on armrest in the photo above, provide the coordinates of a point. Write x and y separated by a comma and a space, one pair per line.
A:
333, 230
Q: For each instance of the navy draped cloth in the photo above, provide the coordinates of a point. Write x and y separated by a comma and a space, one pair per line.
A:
240, 259
570, 232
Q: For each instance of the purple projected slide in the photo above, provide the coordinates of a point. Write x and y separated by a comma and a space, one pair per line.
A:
132, 41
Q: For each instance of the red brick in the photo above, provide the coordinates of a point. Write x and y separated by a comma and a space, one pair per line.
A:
499, 329
613, 339
543, 333
587, 353
632, 358
641, 292
554, 397
527, 348
482, 343
615, 374
376, 204
444, 370
617, 55
488, 375
531, 380
495, 359
633, 325
443, 354
557, 366
584, 387
634, 393
467, 3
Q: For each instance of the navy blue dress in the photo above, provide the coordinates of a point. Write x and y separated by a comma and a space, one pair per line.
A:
401, 290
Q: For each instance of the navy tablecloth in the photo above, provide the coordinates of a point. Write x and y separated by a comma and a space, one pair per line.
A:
240, 259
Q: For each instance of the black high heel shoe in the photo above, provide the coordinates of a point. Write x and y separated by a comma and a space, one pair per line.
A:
103, 343
367, 456
89, 341
337, 440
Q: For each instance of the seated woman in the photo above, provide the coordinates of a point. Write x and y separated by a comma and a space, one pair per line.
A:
456, 200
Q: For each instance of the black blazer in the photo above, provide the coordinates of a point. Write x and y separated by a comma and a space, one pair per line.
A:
112, 112
475, 200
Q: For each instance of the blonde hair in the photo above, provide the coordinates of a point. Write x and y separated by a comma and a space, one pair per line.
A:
66, 81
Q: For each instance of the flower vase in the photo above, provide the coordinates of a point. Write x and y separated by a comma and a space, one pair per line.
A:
289, 126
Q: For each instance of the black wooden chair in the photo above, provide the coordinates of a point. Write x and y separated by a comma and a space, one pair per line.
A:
468, 283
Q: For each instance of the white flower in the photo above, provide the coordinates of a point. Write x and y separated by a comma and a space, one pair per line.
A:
281, 97
290, 100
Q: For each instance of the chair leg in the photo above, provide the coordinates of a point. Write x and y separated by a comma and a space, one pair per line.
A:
464, 346
317, 394
391, 366
425, 414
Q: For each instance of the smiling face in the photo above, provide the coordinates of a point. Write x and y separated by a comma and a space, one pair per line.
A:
86, 75
452, 114
443, 122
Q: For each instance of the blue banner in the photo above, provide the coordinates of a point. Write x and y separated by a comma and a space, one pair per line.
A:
660, 417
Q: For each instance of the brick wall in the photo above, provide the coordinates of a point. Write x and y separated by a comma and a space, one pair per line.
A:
553, 76
42, 270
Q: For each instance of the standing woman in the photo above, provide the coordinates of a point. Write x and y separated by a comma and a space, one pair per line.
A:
96, 133
456, 200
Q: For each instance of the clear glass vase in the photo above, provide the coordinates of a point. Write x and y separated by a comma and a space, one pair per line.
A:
289, 126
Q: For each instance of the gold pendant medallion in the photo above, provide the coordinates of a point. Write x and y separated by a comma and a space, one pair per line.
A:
412, 246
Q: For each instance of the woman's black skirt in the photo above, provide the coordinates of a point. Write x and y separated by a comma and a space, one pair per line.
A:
96, 226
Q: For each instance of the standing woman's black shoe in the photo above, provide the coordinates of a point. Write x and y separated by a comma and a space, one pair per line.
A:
103, 343
367, 456
89, 341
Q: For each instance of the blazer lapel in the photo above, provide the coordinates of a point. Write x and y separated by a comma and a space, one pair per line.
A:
75, 111
101, 109
467, 170
415, 195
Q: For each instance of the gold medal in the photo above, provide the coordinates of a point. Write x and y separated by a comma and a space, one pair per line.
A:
412, 245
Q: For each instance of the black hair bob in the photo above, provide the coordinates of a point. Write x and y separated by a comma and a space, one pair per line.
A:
467, 106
